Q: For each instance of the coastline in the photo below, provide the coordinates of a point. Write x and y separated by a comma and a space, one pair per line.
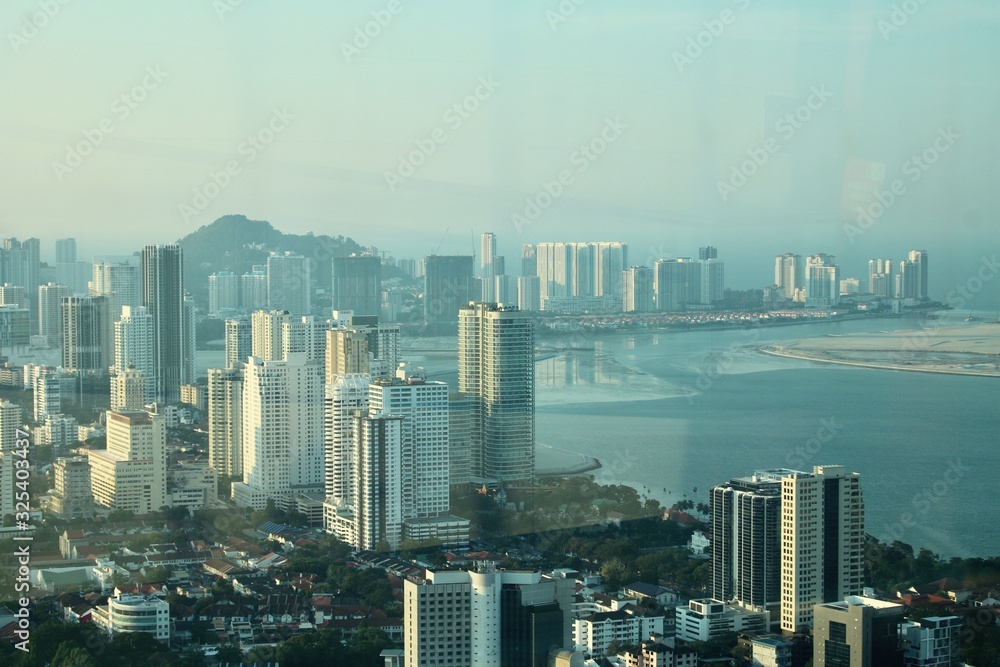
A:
777, 351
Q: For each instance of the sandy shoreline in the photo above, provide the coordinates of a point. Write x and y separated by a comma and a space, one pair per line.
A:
957, 350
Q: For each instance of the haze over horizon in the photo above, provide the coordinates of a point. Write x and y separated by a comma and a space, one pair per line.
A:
454, 117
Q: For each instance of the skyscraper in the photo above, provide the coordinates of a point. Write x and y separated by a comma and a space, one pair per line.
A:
880, 280
746, 541
163, 297
637, 290
789, 274
134, 346
282, 437
346, 394
377, 469
823, 535
448, 285
357, 284
225, 419
529, 260
87, 334
289, 284
50, 298
223, 293
919, 259
487, 271
239, 341
266, 332
822, 280
119, 282
677, 283
11, 420
496, 365
253, 289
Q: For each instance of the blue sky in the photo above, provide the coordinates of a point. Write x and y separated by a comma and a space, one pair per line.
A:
167, 98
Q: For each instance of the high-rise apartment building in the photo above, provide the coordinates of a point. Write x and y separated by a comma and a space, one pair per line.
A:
20, 264
357, 284
50, 298
15, 327
239, 341
225, 420
712, 282
919, 259
790, 274
346, 353
253, 289
129, 390
637, 290
377, 466
119, 282
677, 283
305, 335
71, 497
529, 260
880, 279
485, 618
448, 285
223, 293
496, 366
746, 541
822, 280
282, 436
131, 474
822, 547
87, 334
933, 641
163, 297
13, 295
11, 420
289, 284
266, 333
345, 395
133, 346
47, 395
529, 296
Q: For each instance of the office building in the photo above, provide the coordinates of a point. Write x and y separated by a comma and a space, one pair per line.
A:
823, 535
50, 298
629, 625
20, 264
933, 641
48, 395
225, 420
708, 619
496, 366
119, 282
87, 344
163, 297
790, 275
822, 280
71, 497
223, 293
192, 485
131, 474
746, 541
448, 285
485, 618
857, 632
637, 286
15, 327
357, 284
708, 252
239, 341
282, 436
289, 285
253, 289
487, 270
133, 347
134, 613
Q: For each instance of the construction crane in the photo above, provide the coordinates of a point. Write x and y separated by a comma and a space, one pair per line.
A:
435, 251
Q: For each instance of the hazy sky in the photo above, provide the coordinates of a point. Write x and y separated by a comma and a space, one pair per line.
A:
115, 115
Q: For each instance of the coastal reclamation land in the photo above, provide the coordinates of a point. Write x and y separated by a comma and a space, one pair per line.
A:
956, 350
